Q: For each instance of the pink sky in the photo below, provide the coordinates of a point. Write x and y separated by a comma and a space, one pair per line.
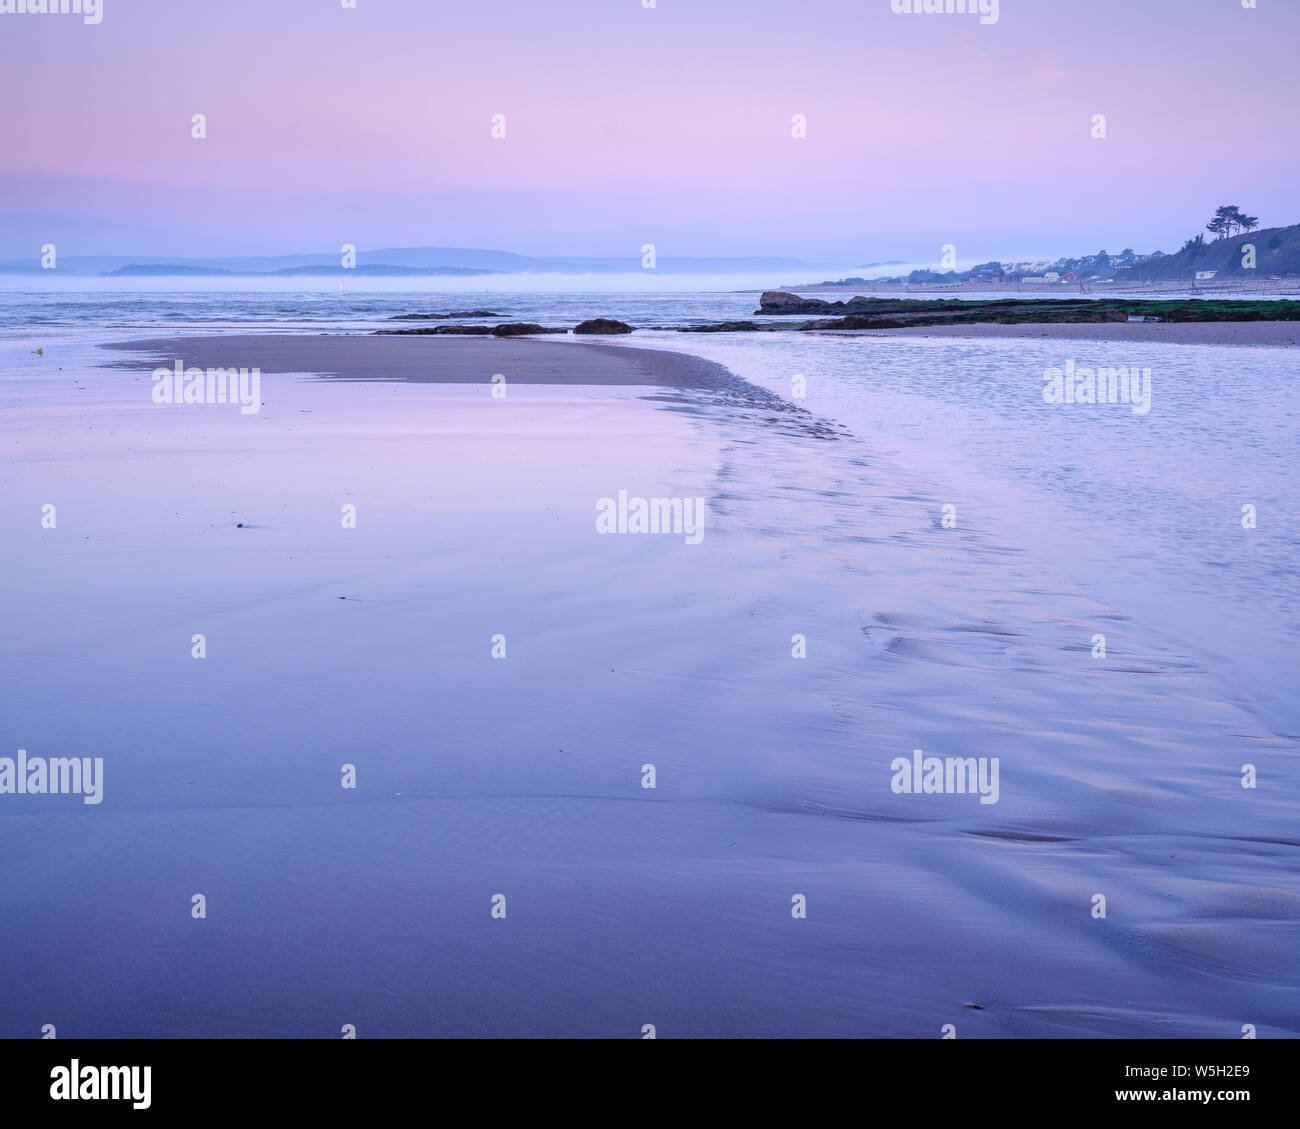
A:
628, 125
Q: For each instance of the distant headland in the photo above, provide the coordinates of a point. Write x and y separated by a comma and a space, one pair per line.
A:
1240, 256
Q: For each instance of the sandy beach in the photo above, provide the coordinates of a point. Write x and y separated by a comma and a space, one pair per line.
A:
525, 775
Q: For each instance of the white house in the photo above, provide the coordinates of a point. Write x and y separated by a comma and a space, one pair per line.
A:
1205, 275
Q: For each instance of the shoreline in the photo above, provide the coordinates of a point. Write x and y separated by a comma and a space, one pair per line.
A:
1277, 334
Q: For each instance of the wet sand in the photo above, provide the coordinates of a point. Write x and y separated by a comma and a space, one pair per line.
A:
523, 776
429, 360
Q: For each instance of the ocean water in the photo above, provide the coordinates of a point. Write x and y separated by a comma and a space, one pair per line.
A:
1120, 773
1144, 509
81, 308
90, 311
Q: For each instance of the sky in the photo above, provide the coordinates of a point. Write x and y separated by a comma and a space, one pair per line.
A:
627, 125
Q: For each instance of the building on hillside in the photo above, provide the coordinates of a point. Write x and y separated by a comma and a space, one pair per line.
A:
1205, 275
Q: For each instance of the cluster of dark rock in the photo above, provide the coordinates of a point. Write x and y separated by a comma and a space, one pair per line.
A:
602, 325
506, 329
445, 317
782, 302
860, 313
722, 327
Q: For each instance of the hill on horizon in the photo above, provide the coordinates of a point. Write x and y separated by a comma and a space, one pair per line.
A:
1277, 252
401, 261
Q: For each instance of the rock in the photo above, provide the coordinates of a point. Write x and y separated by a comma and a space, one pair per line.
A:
507, 329
781, 302
856, 321
602, 325
473, 330
446, 317
520, 328
721, 327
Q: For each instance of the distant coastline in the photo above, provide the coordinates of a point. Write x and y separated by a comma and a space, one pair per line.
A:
1244, 260
1288, 285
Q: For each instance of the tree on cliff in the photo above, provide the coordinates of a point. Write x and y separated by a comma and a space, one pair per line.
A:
1229, 217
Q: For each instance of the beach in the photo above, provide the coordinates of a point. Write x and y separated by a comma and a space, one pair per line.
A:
504, 679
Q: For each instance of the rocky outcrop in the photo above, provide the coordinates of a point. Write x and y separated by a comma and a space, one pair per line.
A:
602, 325
782, 302
520, 328
721, 327
857, 321
508, 329
471, 330
445, 317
